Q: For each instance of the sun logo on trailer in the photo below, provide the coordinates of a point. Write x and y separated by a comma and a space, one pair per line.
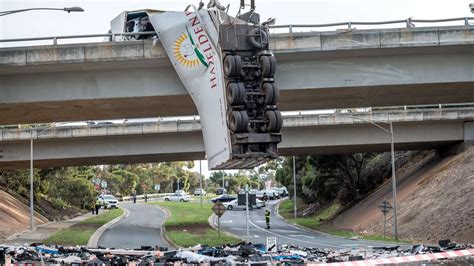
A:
186, 51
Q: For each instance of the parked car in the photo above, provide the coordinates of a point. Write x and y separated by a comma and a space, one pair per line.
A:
282, 190
258, 194
271, 194
197, 192
108, 201
221, 191
233, 205
182, 197
223, 198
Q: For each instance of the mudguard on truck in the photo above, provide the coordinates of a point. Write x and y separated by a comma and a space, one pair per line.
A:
228, 70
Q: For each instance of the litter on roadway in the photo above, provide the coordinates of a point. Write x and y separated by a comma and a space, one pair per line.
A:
237, 254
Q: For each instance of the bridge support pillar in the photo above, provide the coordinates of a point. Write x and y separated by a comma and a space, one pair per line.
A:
462, 146
469, 133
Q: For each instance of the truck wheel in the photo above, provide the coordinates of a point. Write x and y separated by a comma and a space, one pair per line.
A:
242, 93
238, 65
268, 65
238, 121
235, 121
230, 207
271, 93
265, 65
229, 65
258, 38
273, 65
166, 199
275, 121
232, 65
245, 121
235, 93
232, 93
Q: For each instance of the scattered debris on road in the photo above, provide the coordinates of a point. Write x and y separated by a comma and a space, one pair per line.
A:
235, 254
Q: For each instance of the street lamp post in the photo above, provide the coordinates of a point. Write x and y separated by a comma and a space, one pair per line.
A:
294, 186
394, 181
67, 9
32, 221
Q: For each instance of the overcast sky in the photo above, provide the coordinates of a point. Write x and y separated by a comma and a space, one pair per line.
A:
99, 13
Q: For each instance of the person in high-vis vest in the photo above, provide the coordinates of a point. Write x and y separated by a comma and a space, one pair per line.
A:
267, 218
97, 206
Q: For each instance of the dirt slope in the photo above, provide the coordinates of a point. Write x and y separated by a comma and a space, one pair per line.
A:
14, 216
435, 202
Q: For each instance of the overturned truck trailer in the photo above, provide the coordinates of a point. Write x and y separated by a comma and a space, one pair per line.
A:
227, 68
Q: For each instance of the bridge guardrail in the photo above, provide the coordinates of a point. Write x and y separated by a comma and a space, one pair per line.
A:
293, 120
409, 23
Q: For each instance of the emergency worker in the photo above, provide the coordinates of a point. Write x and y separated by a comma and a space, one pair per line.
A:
97, 206
267, 217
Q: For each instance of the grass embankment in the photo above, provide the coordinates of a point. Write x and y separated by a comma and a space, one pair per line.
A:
189, 226
316, 221
80, 233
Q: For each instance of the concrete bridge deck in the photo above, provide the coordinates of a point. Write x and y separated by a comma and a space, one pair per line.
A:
356, 68
182, 140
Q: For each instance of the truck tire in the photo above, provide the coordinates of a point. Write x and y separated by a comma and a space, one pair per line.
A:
258, 38
245, 121
242, 93
229, 65
235, 93
271, 93
232, 65
268, 66
273, 65
235, 121
275, 121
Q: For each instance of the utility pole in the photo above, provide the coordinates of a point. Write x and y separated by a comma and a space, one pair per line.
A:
294, 185
394, 184
32, 212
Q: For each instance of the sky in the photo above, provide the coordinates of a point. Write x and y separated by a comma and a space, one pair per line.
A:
98, 14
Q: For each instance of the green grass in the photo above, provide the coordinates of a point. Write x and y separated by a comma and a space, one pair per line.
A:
80, 233
316, 221
189, 226
286, 210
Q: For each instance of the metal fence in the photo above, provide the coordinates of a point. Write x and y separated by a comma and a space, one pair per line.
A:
408, 23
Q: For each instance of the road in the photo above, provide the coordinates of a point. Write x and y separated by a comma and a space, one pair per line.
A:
141, 228
235, 223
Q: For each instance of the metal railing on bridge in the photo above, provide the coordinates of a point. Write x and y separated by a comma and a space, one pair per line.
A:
293, 119
408, 23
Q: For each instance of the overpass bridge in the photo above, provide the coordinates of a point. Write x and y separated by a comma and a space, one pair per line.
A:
182, 140
317, 70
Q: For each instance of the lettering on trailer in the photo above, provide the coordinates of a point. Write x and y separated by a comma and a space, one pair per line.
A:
189, 38
193, 48
271, 244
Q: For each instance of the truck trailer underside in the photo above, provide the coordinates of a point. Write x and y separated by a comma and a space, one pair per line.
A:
228, 70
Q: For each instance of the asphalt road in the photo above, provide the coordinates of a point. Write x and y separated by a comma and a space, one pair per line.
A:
235, 223
141, 228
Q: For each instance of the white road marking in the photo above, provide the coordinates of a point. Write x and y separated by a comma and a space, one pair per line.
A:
260, 221
230, 221
302, 236
290, 238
